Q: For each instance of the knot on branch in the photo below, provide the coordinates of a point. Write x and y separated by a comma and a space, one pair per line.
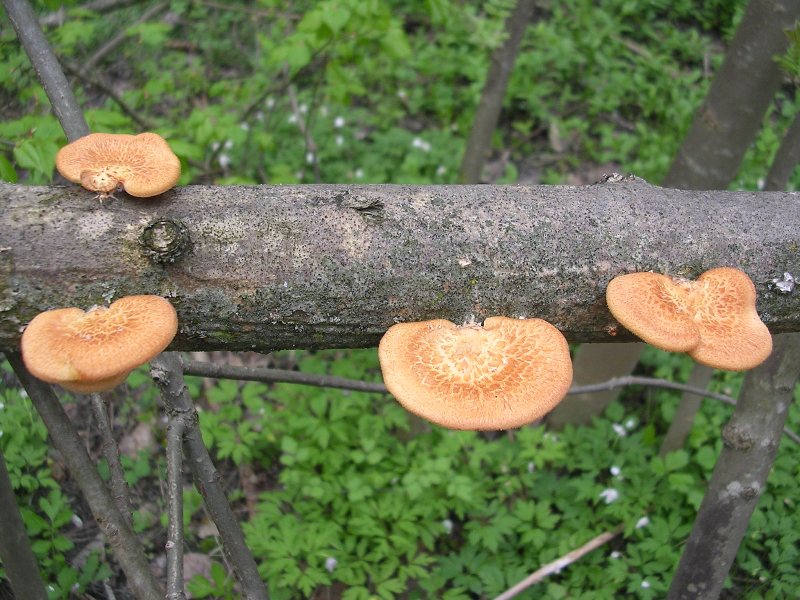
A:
164, 240
736, 438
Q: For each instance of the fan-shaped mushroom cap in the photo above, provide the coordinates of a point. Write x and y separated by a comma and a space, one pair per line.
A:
142, 164
95, 350
500, 376
714, 318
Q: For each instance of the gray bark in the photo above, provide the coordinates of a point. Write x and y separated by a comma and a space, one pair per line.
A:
751, 437
266, 267
166, 370
494, 90
727, 122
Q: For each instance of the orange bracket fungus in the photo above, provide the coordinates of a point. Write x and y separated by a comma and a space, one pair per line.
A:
714, 318
143, 165
500, 376
94, 351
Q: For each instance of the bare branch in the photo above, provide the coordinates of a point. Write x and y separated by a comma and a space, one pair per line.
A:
44, 61
175, 540
166, 371
57, 17
124, 543
331, 266
119, 489
751, 437
560, 563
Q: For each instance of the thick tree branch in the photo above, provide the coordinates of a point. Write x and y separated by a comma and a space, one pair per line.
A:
269, 267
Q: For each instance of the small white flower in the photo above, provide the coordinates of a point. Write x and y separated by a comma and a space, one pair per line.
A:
1, 433
630, 423
619, 430
303, 109
77, 521
338, 122
421, 144
2, 406
402, 94
645, 584
214, 146
330, 564
291, 119
260, 116
23, 394
616, 554
310, 158
531, 467
228, 144
448, 525
359, 173
224, 161
441, 170
609, 495
270, 102
244, 126
339, 140
643, 522
615, 470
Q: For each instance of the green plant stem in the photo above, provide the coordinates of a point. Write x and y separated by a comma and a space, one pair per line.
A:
175, 429
119, 489
44, 61
751, 440
15, 547
123, 541
167, 372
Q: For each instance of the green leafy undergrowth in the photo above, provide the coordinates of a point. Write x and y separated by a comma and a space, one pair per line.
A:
353, 498
45, 509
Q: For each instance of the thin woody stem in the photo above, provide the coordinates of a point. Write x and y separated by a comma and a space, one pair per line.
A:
119, 489
266, 375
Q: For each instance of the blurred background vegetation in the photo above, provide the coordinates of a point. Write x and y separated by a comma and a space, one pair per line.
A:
340, 495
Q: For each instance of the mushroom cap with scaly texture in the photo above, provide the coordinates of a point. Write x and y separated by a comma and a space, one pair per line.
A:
95, 350
502, 375
144, 165
714, 318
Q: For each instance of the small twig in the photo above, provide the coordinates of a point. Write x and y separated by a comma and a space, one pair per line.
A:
120, 37
174, 547
167, 373
44, 61
143, 122
126, 546
16, 554
203, 369
265, 375
558, 564
57, 17
119, 489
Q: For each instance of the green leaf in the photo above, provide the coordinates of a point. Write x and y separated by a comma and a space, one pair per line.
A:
676, 460
7, 172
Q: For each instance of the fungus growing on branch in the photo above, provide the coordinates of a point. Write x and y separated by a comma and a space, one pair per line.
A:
95, 350
502, 375
714, 318
143, 165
